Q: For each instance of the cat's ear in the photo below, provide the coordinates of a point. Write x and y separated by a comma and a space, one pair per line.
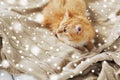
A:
68, 14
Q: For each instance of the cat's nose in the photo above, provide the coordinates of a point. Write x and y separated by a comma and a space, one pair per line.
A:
56, 35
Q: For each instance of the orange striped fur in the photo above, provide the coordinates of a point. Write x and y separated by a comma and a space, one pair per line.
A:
67, 20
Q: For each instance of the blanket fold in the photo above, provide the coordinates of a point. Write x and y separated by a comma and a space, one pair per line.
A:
30, 48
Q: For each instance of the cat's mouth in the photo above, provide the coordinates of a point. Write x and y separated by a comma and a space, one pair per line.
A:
62, 37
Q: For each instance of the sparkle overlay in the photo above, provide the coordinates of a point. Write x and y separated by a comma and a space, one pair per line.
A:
33, 49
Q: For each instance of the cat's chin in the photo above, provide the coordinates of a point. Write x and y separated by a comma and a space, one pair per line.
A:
79, 45
67, 41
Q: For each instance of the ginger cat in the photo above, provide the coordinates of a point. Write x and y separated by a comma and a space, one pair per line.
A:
67, 20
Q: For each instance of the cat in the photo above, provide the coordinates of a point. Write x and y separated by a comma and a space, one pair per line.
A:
67, 20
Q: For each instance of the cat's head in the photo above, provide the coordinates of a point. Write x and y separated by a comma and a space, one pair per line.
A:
75, 31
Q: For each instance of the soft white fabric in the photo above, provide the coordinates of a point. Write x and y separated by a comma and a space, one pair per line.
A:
34, 50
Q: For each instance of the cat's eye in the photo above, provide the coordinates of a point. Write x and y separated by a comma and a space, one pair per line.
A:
64, 30
78, 28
